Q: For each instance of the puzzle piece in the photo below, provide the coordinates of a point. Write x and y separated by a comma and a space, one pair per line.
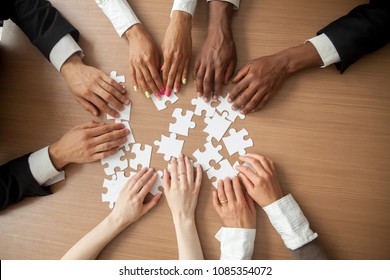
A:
161, 104
236, 143
216, 126
142, 157
124, 115
159, 183
226, 106
113, 162
210, 153
169, 146
130, 137
183, 123
114, 186
203, 106
225, 170
118, 79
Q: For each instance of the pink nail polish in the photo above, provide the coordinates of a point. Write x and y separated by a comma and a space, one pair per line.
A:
157, 95
161, 90
176, 89
168, 92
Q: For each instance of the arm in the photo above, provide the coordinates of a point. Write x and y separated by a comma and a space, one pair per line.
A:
181, 189
262, 185
217, 59
129, 208
238, 214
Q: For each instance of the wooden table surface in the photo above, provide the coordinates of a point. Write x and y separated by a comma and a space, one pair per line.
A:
328, 133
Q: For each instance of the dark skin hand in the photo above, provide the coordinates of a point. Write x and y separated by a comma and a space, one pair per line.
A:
217, 60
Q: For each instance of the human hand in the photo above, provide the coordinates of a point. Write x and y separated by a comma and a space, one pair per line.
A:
181, 188
88, 142
92, 88
217, 59
144, 60
262, 185
130, 205
177, 49
236, 209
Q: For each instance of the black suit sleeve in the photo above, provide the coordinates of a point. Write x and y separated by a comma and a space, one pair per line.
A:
310, 251
17, 182
40, 21
363, 30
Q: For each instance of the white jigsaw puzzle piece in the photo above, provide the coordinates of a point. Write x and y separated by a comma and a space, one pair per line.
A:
226, 106
169, 146
118, 79
183, 123
159, 183
203, 106
113, 162
130, 137
142, 157
225, 170
216, 126
236, 143
114, 186
161, 103
124, 115
210, 153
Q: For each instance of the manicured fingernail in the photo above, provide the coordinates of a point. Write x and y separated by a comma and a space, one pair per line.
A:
176, 89
230, 100
215, 97
157, 95
198, 94
147, 94
135, 88
161, 90
168, 93
205, 99
234, 108
184, 81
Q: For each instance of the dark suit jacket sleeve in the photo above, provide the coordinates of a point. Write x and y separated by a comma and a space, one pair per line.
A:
363, 30
310, 251
40, 21
17, 182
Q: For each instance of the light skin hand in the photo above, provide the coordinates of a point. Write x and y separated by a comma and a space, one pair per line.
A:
259, 80
177, 49
237, 209
262, 185
92, 88
144, 61
87, 143
217, 59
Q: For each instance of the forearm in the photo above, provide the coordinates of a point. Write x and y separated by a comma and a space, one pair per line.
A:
93, 242
187, 239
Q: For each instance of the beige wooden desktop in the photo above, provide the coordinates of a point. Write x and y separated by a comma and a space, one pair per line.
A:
328, 133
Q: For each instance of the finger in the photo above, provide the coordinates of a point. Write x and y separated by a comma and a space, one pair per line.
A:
208, 84
262, 103
182, 169
166, 69
216, 204
262, 159
103, 129
250, 203
177, 83
143, 180
247, 172
109, 145
134, 179
238, 90
190, 171
149, 205
272, 163
247, 99
241, 74
141, 82
88, 106
184, 76
199, 175
218, 83
108, 97
148, 185
247, 183
237, 189
105, 154
221, 192
167, 180
133, 78
90, 124
157, 81
174, 172
196, 69
149, 80
110, 136
229, 190
98, 102
199, 81
229, 72
171, 77
115, 87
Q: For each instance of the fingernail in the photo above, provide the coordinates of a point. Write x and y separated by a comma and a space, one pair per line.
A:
135, 88
234, 108
205, 99
123, 89
184, 81
176, 89
168, 93
215, 97
147, 94
243, 112
162, 68
198, 94
127, 101
161, 90
230, 100
157, 95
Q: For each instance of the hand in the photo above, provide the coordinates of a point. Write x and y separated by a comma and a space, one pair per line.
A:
181, 188
92, 88
88, 142
262, 185
217, 60
144, 60
236, 209
130, 205
177, 48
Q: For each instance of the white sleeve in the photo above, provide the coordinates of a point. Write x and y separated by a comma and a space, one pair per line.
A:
325, 49
43, 169
120, 14
64, 48
187, 6
289, 221
236, 3
236, 243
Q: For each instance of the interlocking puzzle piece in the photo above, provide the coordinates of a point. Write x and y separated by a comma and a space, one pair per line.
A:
226, 106
114, 186
118, 79
159, 183
183, 123
225, 170
245, 164
210, 153
169, 146
113, 162
142, 157
124, 115
236, 143
216, 126
203, 106
161, 103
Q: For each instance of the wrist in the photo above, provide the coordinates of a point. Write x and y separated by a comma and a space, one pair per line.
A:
117, 222
183, 218
73, 61
134, 31
220, 16
56, 156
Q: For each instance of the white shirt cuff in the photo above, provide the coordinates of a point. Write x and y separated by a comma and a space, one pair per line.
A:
43, 169
236, 3
187, 6
325, 49
289, 221
120, 14
236, 243
63, 50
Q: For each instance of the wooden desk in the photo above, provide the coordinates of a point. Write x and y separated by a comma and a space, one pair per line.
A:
328, 133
